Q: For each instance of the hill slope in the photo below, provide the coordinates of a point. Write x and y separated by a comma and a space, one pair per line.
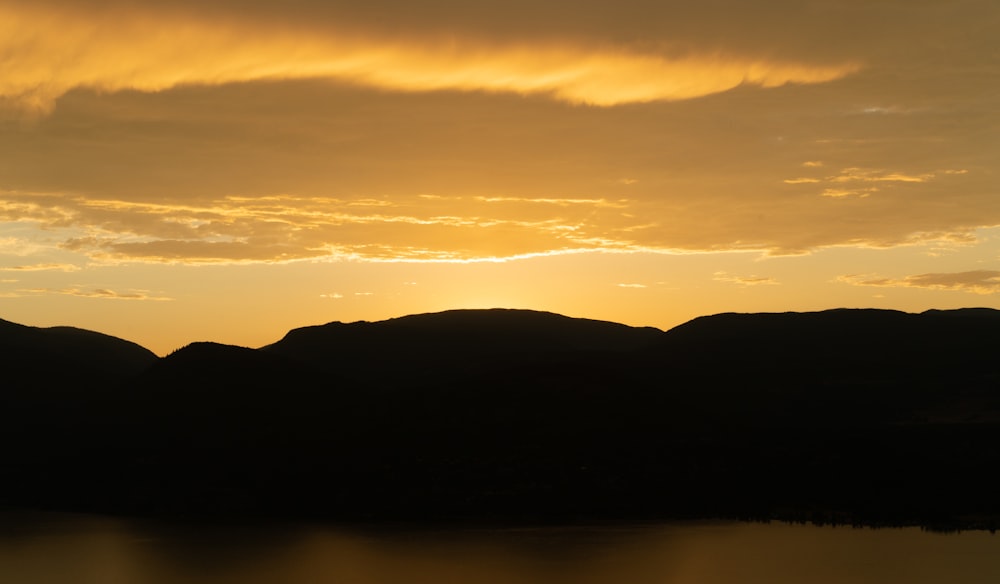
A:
43, 357
416, 348
845, 415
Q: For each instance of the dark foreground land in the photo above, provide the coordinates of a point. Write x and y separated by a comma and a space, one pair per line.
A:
859, 416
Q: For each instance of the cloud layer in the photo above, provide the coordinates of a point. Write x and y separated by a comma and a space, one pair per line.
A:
54, 51
257, 131
976, 281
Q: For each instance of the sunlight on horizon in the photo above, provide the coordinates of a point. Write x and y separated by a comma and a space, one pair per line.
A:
229, 170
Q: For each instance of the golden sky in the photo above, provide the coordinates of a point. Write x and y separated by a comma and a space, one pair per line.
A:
227, 170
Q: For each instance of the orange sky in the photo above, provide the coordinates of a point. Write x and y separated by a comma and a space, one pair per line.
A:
228, 170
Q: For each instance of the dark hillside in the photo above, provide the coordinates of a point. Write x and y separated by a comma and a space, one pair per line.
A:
844, 339
56, 387
874, 362
889, 415
44, 356
50, 374
869, 416
453, 343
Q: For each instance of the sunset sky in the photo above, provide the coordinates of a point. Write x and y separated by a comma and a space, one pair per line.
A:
227, 170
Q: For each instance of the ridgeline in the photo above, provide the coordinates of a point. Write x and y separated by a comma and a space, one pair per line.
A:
843, 416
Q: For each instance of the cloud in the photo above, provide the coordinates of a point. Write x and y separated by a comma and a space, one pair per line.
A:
857, 181
250, 140
104, 293
854, 181
877, 175
41, 268
977, 281
562, 202
284, 228
744, 280
632, 286
840, 193
114, 50
18, 246
280, 228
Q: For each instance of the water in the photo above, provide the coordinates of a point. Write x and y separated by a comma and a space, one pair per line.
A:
56, 549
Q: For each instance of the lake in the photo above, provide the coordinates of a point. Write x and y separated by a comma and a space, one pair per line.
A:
79, 549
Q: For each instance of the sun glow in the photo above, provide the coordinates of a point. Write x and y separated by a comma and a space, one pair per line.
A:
229, 169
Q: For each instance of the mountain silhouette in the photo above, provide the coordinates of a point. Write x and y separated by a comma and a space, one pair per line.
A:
453, 343
847, 415
843, 338
43, 356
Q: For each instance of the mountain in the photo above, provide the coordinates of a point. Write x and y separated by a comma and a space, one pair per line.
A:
414, 348
470, 331
871, 416
42, 357
878, 362
842, 338
216, 365
56, 385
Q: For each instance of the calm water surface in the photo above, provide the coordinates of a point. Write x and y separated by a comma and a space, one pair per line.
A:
56, 549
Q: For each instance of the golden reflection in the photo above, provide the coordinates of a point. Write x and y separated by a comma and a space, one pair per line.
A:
96, 551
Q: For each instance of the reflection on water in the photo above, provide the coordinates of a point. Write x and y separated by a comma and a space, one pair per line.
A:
56, 549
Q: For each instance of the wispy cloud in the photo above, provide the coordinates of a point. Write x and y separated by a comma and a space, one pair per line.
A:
150, 50
41, 268
104, 293
18, 246
632, 286
976, 281
877, 175
561, 202
863, 182
281, 228
416, 228
752, 280
838, 193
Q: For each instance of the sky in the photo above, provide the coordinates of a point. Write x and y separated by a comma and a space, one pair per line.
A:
227, 170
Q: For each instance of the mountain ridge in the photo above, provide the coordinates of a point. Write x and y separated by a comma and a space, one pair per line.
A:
849, 415
970, 312
64, 352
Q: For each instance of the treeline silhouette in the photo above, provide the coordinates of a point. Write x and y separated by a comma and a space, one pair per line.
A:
858, 416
